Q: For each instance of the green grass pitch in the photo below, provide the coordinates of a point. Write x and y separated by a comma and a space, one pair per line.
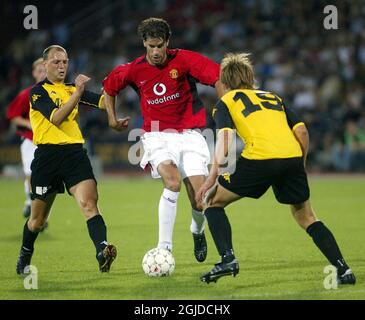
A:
277, 259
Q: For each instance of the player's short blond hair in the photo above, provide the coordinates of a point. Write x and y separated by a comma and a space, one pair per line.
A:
237, 71
36, 63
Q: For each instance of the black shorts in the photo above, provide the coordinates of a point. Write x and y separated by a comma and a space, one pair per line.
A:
252, 178
57, 166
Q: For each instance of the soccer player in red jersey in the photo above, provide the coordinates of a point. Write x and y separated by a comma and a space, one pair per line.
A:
18, 113
165, 81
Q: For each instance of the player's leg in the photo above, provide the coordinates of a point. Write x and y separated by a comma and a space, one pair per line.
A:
195, 158
168, 202
27, 149
161, 155
28, 201
38, 217
45, 185
221, 231
324, 240
80, 182
192, 184
218, 221
291, 187
251, 179
86, 196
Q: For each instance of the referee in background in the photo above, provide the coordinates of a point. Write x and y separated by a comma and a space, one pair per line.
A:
60, 159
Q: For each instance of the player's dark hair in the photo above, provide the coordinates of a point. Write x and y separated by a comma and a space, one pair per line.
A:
154, 28
48, 49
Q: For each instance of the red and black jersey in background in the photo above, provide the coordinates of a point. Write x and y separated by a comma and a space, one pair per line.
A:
19, 107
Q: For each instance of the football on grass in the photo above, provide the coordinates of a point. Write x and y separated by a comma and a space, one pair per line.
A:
158, 263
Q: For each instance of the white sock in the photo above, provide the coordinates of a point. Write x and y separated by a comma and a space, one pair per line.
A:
28, 200
197, 222
166, 218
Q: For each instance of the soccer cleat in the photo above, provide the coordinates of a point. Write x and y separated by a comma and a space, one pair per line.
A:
23, 261
221, 269
26, 211
200, 247
346, 278
106, 257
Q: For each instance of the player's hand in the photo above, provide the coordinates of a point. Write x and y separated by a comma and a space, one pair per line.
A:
120, 124
80, 82
207, 186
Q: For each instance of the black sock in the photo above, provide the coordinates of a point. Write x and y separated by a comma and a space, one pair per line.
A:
326, 242
220, 229
97, 232
29, 238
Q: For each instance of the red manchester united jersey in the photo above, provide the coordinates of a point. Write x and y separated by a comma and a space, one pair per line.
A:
168, 93
19, 107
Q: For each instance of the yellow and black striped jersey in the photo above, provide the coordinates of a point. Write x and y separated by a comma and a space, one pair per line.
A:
45, 98
262, 121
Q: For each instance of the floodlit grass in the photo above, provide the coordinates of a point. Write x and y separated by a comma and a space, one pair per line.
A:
277, 259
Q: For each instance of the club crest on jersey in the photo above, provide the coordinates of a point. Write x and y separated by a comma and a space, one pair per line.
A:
227, 176
69, 91
35, 97
174, 74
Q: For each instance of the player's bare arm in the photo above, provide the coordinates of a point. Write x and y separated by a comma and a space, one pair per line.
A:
62, 113
22, 122
224, 141
109, 105
302, 135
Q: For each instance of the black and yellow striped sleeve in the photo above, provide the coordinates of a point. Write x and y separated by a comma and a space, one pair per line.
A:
41, 101
92, 99
292, 117
222, 117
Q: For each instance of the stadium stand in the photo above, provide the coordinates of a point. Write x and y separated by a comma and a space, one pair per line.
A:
320, 73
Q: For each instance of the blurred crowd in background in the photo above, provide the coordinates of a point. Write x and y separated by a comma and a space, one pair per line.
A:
320, 73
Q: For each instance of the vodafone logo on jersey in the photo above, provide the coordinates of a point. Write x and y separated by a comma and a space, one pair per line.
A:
159, 89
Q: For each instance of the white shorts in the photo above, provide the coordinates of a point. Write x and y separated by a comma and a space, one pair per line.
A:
27, 149
187, 149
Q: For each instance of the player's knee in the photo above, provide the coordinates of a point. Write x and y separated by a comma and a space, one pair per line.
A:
88, 205
304, 215
36, 225
216, 202
173, 184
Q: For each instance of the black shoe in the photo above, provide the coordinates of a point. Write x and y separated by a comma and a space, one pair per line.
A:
23, 261
26, 211
221, 269
106, 257
346, 278
200, 247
